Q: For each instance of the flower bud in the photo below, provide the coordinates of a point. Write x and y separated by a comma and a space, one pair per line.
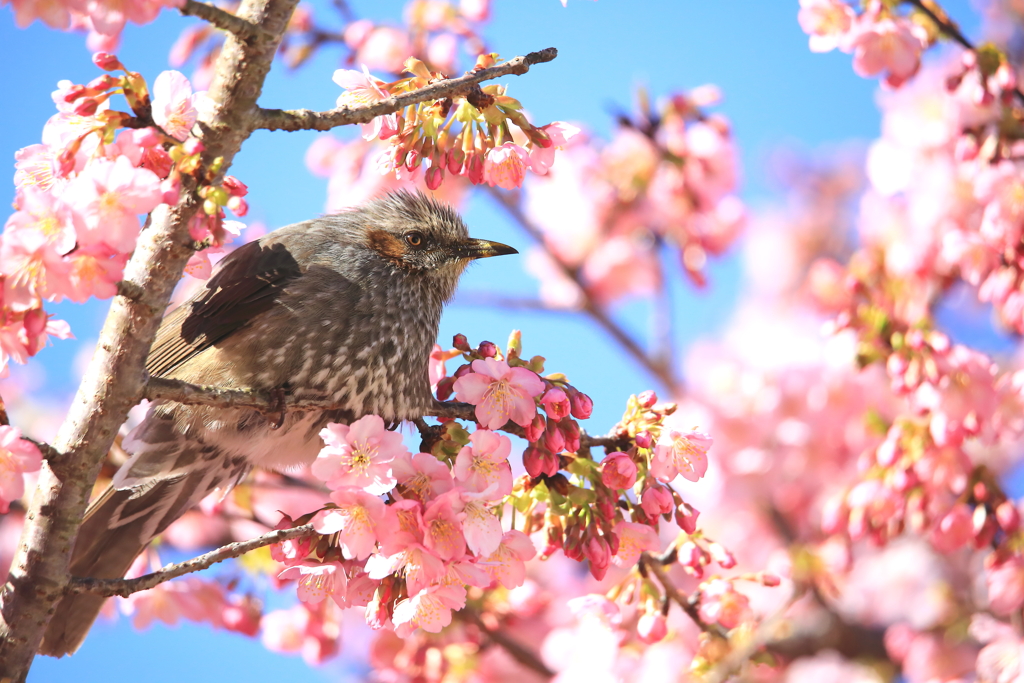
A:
460, 342
1007, 516
596, 550
722, 556
445, 388
686, 517
553, 439
651, 628
234, 186
193, 146
238, 206
243, 617
582, 406
488, 349
571, 433
538, 460
655, 500
644, 440
535, 430
770, 580
618, 471
647, 398
87, 107
555, 403
434, 177
106, 61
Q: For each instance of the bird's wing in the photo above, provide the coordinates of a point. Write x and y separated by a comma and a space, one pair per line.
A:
246, 283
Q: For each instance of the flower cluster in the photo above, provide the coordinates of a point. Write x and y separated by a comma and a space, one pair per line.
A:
103, 20
80, 193
665, 182
483, 136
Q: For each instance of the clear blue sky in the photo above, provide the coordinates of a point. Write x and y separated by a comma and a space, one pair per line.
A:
777, 94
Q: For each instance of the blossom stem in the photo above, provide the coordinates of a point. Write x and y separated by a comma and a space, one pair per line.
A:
513, 647
125, 587
306, 119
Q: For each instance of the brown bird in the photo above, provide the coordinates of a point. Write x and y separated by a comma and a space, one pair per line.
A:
344, 307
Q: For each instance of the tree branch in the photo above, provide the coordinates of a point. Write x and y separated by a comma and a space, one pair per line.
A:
125, 587
513, 647
244, 30
163, 389
655, 565
114, 380
306, 119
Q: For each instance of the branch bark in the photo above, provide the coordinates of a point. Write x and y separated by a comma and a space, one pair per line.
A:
114, 379
222, 19
125, 587
306, 119
513, 647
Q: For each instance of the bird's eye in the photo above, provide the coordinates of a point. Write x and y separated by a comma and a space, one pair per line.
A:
414, 239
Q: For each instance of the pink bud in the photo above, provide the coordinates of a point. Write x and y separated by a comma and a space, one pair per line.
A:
596, 550
618, 471
475, 164
460, 342
463, 370
106, 61
1008, 517
535, 430
647, 398
770, 580
722, 556
690, 555
455, 160
243, 617
644, 440
556, 403
553, 439
87, 107
656, 500
193, 146
434, 178
581, 404
74, 92
686, 518
651, 628
234, 186
445, 388
571, 433
488, 349
238, 206
171, 189
538, 461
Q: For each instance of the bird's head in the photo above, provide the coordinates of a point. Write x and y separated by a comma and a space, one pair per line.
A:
418, 235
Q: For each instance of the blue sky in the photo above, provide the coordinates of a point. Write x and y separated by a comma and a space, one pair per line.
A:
777, 95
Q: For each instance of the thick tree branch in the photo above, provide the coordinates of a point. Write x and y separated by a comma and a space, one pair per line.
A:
306, 119
115, 377
662, 371
125, 587
245, 30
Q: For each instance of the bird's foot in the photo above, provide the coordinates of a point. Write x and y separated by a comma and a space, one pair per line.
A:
278, 394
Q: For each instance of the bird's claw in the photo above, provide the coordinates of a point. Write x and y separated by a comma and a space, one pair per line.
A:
278, 394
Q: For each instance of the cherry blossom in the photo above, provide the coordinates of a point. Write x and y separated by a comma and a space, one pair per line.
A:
680, 453
483, 464
318, 581
359, 455
500, 393
355, 520
174, 104
827, 21
618, 471
17, 456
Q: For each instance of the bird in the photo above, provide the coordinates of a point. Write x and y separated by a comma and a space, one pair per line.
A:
344, 307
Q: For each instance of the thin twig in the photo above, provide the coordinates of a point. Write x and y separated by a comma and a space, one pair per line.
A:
660, 370
307, 119
245, 30
125, 587
513, 647
655, 566
950, 29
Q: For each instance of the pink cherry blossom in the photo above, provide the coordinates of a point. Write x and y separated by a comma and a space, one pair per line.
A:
43, 212
651, 627
541, 158
890, 45
500, 393
480, 526
107, 198
174, 103
94, 272
33, 270
17, 457
656, 500
482, 465
1005, 583
421, 476
555, 403
401, 527
506, 166
430, 609
506, 565
362, 89
721, 604
359, 455
827, 21
442, 528
634, 539
618, 471
318, 581
355, 520
680, 453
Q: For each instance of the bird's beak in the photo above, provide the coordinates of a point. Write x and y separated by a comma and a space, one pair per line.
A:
474, 249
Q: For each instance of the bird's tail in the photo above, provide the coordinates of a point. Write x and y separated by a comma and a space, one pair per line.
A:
167, 475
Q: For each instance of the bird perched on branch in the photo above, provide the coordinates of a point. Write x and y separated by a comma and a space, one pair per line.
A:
344, 307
